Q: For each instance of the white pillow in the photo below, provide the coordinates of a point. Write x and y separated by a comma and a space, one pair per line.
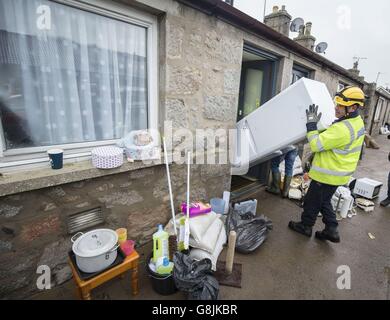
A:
210, 237
200, 224
199, 254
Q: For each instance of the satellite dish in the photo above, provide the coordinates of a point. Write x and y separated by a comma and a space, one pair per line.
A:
321, 47
297, 24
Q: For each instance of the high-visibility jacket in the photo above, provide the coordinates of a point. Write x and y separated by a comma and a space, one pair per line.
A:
337, 151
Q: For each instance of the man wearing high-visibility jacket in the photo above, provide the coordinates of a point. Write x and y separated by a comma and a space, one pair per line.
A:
336, 154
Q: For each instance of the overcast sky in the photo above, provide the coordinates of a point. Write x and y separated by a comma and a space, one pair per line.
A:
351, 28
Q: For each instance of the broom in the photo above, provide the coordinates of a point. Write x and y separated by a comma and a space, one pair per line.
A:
172, 238
185, 222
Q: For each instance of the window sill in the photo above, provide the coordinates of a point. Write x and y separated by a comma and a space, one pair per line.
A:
17, 182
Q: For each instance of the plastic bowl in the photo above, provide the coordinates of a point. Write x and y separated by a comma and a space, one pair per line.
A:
127, 247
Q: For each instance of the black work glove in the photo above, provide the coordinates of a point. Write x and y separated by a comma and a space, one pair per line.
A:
312, 118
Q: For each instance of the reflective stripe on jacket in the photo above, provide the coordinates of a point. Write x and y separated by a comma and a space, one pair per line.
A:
337, 151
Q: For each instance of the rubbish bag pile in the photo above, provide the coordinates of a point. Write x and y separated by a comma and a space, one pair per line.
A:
251, 230
195, 277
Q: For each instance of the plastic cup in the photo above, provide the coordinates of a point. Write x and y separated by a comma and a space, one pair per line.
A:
56, 158
218, 205
127, 247
122, 235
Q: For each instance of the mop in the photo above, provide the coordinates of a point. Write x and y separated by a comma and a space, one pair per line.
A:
172, 238
184, 237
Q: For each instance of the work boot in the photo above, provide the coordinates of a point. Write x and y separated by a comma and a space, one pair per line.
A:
331, 235
275, 184
385, 202
286, 186
300, 228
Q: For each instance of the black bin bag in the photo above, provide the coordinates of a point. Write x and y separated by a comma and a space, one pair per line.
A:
251, 230
195, 277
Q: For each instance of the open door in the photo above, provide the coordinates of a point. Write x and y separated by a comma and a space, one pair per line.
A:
258, 85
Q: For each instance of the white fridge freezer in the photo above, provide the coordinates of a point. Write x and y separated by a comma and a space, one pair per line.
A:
281, 122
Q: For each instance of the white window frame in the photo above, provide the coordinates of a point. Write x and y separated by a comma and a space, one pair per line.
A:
13, 159
378, 110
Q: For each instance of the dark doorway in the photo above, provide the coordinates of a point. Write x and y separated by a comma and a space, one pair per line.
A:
258, 85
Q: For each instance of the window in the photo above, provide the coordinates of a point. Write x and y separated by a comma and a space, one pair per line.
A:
341, 86
73, 76
378, 110
299, 72
258, 79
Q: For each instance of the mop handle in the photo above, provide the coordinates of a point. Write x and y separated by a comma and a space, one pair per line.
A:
170, 186
188, 185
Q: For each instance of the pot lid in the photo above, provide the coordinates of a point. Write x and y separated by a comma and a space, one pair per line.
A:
95, 243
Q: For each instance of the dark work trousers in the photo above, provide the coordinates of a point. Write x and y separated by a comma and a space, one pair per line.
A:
318, 200
388, 186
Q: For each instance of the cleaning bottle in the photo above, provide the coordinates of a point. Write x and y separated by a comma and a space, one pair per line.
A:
160, 244
164, 266
184, 234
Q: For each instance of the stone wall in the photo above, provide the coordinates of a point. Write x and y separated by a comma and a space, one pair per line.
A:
200, 61
34, 224
203, 68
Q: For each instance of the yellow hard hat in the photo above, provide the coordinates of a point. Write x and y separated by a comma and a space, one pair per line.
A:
350, 96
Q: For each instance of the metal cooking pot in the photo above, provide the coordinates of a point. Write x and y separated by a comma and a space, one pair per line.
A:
95, 250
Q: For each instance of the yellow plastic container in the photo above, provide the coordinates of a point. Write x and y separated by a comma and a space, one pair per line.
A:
122, 235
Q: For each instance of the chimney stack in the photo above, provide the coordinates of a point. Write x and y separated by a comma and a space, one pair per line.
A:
279, 20
355, 70
308, 29
305, 38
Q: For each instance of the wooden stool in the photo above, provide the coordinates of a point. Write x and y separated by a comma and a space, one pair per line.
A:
84, 287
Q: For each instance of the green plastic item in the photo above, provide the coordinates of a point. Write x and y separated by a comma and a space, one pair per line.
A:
165, 268
183, 237
160, 244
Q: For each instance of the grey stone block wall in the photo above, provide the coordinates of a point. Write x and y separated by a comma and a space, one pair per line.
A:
34, 232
